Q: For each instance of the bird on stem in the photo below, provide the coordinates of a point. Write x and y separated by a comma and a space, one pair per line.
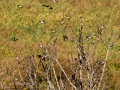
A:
42, 22
14, 39
65, 37
54, 1
20, 6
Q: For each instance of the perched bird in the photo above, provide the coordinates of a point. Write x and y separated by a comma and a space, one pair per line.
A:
65, 37
42, 22
47, 6
49, 44
16, 79
20, 6
78, 49
98, 39
14, 39
4, 82
39, 56
41, 45
53, 31
62, 22
17, 57
54, 1
73, 76
106, 16
100, 30
81, 19
102, 27
68, 17
50, 7
93, 33
88, 37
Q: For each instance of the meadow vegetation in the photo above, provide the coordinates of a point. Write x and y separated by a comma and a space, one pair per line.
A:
91, 25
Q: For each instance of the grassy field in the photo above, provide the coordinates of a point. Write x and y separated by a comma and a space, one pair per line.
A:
16, 22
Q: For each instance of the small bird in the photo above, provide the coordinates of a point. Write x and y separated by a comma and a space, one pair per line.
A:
98, 39
17, 57
42, 22
14, 39
20, 6
4, 82
68, 17
78, 49
81, 19
73, 76
62, 22
49, 44
88, 37
54, 1
16, 79
93, 33
102, 27
47, 6
39, 56
106, 16
41, 45
65, 37
53, 30
50, 7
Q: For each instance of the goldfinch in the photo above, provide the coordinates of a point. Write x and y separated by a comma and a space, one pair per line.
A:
88, 37
20, 6
14, 39
4, 82
53, 31
106, 16
65, 37
41, 45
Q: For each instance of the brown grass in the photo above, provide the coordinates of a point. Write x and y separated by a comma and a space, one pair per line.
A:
89, 10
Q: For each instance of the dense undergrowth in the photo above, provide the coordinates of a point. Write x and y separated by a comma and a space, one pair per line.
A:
19, 27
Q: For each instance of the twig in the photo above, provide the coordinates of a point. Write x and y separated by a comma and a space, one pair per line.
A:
106, 60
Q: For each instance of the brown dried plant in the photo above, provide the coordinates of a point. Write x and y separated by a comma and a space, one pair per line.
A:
87, 71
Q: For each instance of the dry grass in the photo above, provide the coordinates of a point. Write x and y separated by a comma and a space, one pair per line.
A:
16, 22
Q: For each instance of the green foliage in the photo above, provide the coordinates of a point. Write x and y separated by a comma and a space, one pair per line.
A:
114, 66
